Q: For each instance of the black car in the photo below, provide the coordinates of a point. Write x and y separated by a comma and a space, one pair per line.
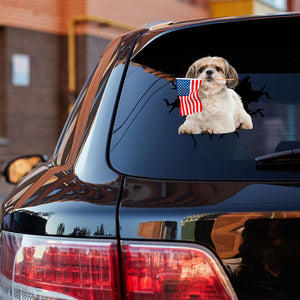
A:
128, 208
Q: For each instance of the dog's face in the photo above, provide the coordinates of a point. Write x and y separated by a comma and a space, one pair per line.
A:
212, 68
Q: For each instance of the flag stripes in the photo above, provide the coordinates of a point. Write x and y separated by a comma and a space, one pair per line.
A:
187, 90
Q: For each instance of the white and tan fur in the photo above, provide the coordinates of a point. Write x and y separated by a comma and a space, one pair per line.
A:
223, 110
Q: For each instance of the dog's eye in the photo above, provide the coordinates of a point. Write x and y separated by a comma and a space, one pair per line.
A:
201, 69
218, 69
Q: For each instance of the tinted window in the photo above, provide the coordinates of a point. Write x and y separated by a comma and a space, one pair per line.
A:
64, 144
145, 140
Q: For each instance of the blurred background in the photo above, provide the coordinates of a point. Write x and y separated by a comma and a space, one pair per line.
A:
49, 47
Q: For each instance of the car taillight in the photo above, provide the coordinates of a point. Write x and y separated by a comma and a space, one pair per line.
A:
173, 271
35, 267
58, 268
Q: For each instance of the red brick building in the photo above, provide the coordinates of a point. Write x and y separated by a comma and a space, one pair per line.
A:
34, 59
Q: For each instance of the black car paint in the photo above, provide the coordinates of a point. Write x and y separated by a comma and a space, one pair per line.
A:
71, 201
183, 211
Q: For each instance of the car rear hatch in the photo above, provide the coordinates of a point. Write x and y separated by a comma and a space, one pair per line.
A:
215, 190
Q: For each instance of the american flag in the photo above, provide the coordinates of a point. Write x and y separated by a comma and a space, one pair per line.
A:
187, 90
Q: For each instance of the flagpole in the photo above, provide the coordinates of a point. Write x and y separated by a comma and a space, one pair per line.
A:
217, 79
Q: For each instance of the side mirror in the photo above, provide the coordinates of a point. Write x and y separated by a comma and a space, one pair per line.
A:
14, 170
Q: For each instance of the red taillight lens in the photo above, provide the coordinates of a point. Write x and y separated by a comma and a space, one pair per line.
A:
61, 268
9, 246
33, 267
164, 271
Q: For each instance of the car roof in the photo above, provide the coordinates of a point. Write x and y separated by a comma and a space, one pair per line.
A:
155, 29
171, 42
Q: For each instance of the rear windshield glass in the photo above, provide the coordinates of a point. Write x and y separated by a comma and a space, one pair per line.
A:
148, 137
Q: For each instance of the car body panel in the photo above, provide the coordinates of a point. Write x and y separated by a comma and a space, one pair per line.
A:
253, 228
67, 206
52, 187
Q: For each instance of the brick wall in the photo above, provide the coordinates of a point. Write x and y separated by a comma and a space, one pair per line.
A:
35, 15
32, 112
137, 12
2, 89
53, 15
31, 117
295, 5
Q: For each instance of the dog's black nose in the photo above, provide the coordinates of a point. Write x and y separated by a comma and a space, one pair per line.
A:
209, 72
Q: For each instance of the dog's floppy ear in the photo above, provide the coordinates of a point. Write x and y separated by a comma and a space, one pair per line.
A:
231, 73
191, 72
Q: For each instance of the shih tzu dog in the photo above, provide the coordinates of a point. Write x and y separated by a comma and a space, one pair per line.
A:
223, 110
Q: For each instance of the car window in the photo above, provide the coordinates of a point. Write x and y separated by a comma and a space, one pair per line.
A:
65, 141
74, 114
91, 165
145, 139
